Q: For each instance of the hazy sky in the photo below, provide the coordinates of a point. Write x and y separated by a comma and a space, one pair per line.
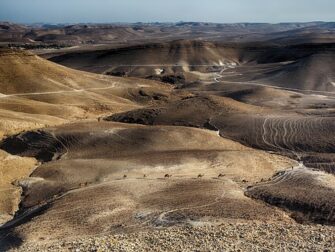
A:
223, 11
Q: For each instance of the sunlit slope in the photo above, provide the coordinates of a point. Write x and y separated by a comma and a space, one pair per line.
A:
44, 93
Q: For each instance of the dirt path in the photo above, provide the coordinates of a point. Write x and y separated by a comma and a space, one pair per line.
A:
3, 96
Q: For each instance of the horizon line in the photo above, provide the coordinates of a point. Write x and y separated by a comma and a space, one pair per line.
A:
165, 22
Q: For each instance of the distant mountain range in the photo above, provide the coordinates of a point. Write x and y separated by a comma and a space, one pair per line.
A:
78, 34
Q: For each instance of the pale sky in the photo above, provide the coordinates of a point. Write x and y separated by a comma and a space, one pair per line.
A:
219, 11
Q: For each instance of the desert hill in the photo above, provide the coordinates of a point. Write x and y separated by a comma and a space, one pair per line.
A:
90, 165
30, 85
164, 55
311, 72
35, 93
300, 67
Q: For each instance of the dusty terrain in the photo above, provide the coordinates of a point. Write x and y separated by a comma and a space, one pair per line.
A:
12, 169
36, 93
227, 236
211, 144
308, 67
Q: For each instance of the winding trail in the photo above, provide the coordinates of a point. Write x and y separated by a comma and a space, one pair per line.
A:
217, 78
3, 96
162, 220
275, 87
